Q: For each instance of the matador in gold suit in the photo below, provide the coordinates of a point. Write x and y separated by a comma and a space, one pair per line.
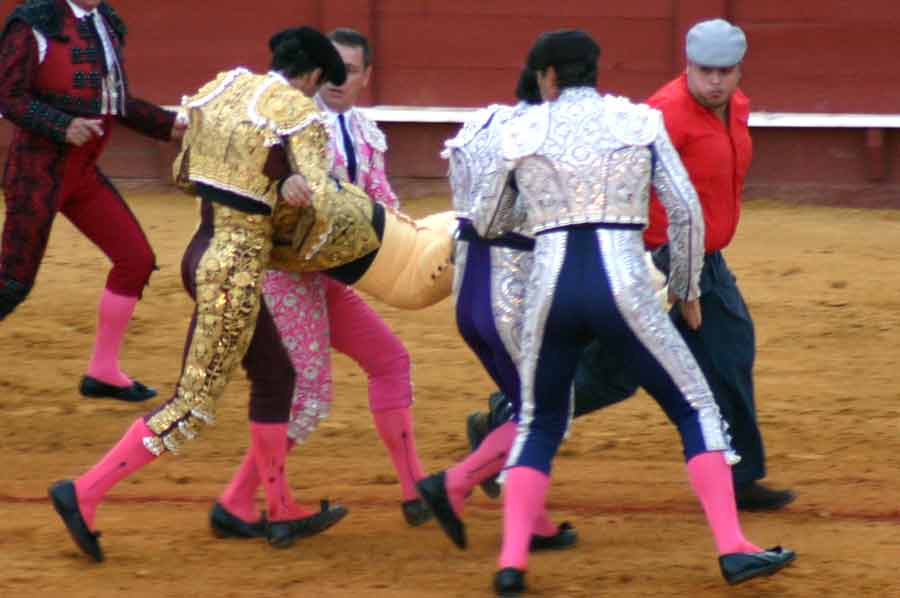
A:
256, 156
236, 122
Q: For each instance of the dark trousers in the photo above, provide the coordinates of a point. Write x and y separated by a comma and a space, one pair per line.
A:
580, 306
475, 320
725, 349
267, 363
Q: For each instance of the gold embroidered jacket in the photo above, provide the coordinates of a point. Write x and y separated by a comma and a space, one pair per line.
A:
235, 122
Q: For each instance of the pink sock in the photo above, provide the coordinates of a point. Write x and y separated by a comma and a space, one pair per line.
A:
239, 497
395, 426
113, 316
710, 477
487, 460
523, 501
268, 443
126, 457
544, 526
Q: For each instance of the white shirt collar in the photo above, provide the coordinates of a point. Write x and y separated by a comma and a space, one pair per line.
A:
80, 13
331, 114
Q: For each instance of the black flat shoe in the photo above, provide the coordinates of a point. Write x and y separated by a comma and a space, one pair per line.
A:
65, 502
434, 492
282, 534
759, 497
509, 582
565, 537
226, 525
477, 427
416, 512
137, 392
738, 567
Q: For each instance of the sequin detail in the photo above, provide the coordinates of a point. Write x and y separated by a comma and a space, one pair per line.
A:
228, 283
594, 162
299, 308
479, 176
549, 254
630, 279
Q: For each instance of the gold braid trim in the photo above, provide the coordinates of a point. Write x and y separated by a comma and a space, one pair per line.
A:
228, 280
336, 228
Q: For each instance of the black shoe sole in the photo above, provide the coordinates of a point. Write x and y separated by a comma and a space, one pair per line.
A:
565, 538
307, 527
224, 525
765, 571
95, 389
416, 512
434, 492
65, 502
751, 507
762, 572
509, 583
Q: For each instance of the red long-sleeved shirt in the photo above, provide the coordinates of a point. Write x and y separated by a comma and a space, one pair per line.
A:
716, 158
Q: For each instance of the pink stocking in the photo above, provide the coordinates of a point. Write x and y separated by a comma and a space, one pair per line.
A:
269, 447
710, 477
523, 501
113, 316
487, 460
126, 457
395, 426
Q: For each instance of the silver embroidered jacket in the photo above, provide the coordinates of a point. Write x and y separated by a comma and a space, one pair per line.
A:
587, 158
478, 174
479, 180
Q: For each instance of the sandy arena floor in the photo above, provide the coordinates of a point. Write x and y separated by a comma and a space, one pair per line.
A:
823, 287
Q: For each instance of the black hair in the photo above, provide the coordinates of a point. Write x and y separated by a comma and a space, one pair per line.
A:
300, 50
289, 58
576, 75
353, 39
572, 53
527, 89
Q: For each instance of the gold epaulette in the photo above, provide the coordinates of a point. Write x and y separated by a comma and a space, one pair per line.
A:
234, 120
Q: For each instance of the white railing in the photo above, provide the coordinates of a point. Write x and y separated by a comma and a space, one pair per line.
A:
787, 120
447, 115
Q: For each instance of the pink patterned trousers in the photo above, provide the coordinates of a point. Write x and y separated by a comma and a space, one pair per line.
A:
314, 313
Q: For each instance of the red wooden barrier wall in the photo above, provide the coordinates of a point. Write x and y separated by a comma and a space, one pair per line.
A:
805, 56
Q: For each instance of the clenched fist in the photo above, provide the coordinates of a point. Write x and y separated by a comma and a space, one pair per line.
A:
82, 130
296, 191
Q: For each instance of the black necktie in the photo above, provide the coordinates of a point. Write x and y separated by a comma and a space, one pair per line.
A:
92, 25
348, 149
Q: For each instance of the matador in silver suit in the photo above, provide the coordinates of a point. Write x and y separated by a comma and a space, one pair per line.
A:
490, 281
583, 164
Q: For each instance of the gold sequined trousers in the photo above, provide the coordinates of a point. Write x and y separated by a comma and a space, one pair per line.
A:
223, 266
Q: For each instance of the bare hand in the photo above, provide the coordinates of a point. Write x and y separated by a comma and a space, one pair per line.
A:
673, 298
82, 130
296, 191
690, 311
179, 126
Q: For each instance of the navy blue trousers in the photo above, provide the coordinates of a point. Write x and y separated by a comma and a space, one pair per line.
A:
725, 349
475, 320
582, 307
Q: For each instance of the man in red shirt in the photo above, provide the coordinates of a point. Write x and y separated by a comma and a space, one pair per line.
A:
706, 116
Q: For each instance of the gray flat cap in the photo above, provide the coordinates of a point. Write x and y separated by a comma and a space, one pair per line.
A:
716, 43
